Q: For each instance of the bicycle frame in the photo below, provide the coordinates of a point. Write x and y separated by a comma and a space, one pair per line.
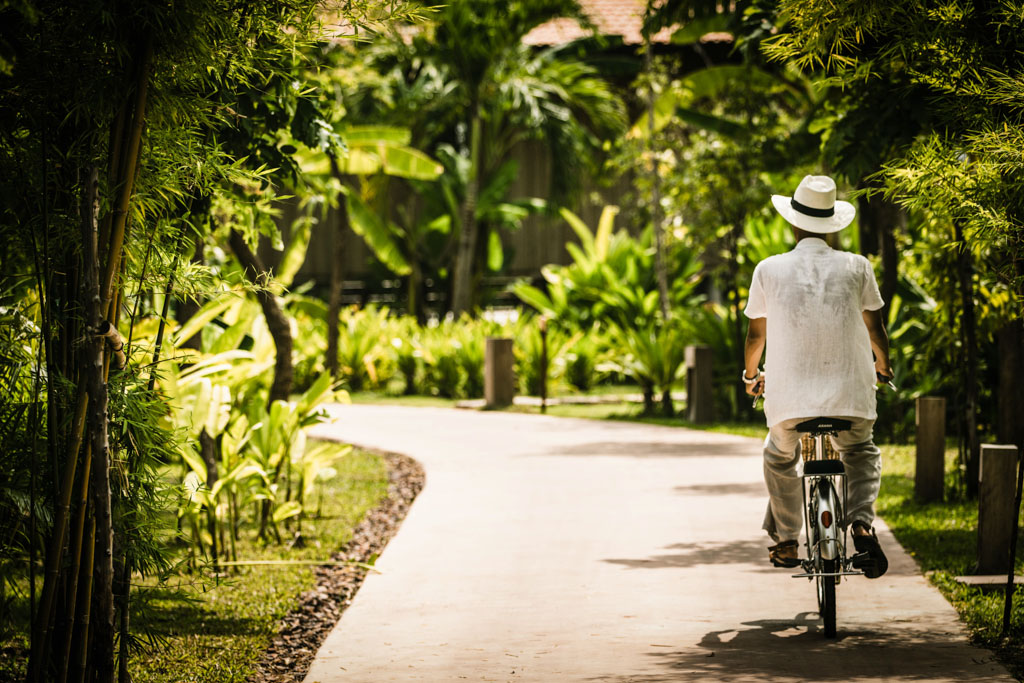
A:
831, 543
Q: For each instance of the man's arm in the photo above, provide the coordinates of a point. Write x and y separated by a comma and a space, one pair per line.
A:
752, 351
879, 341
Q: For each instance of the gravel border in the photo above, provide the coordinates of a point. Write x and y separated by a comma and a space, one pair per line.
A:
288, 657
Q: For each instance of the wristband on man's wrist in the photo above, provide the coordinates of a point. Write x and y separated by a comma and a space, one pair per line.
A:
751, 380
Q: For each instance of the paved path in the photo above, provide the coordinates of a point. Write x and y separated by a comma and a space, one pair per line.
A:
551, 549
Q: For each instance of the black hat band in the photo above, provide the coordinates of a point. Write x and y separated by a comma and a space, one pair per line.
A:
809, 211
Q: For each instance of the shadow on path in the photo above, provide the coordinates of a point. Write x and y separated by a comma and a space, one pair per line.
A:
788, 649
651, 449
696, 554
751, 489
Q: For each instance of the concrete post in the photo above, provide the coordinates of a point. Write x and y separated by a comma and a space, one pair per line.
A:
499, 373
931, 448
700, 399
997, 480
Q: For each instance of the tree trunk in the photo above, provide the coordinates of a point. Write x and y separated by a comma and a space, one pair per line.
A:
414, 305
648, 394
278, 323
208, 451
462, 280
969, 339
668, 408
660, 268
93, 373
336, 288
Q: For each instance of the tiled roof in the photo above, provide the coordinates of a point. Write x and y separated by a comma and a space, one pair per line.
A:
612, 18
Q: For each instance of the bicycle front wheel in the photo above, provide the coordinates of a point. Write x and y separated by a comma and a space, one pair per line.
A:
827, 597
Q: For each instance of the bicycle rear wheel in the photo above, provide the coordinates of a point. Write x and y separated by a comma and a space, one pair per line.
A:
827, 597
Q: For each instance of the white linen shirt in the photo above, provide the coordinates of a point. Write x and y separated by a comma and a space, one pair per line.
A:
818, 359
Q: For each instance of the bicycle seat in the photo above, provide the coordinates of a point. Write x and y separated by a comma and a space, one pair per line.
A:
823, 425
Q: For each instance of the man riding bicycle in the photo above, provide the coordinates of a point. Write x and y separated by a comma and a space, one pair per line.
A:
816, 311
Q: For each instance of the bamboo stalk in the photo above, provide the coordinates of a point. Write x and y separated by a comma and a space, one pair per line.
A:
93, 372
115, 341
44, 621
77, 543
114, 166
127, 176
84, 607
123, 625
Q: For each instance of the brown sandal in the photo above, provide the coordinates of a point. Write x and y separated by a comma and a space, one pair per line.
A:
780, 558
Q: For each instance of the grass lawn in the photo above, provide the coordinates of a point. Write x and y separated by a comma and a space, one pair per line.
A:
217, 632
943, 538
207, 630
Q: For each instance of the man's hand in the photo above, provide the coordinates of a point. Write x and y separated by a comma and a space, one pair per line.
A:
756, 388
883, 372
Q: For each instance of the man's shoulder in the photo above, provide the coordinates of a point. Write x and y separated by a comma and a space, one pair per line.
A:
854, 259
775, 260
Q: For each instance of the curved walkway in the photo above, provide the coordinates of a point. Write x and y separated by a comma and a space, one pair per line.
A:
553, 549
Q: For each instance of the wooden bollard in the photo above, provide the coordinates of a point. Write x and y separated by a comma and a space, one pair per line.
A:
997, 487
929, 470
700, 399
499, 373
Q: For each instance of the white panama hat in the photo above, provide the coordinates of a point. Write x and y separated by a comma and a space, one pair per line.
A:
814, 207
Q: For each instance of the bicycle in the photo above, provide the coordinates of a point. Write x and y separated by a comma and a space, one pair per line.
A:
824, 520
825, 524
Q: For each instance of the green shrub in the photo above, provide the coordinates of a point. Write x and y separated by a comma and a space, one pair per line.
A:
362, 357
446, 376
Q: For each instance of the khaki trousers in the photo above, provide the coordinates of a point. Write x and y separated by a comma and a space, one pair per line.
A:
782, 471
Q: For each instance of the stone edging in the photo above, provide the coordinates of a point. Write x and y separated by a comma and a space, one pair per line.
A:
291, 651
